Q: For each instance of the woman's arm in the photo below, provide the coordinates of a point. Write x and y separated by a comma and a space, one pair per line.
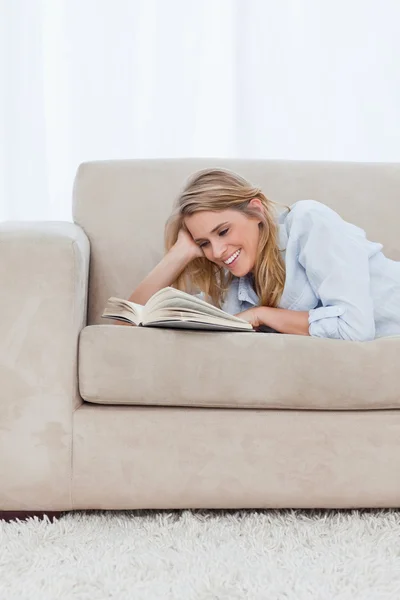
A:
168, 269
284, 320
335, 256
280, 319
163, 275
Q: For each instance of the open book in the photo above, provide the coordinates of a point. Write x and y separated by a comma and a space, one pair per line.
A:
176, 309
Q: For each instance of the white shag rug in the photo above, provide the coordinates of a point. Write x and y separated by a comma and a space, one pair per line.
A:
203, 555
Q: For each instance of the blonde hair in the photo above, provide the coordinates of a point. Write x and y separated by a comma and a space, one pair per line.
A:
217, 190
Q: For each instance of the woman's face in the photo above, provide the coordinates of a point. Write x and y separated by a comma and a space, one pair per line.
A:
228, 238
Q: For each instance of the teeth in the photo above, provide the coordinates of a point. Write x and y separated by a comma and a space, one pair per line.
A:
232, 258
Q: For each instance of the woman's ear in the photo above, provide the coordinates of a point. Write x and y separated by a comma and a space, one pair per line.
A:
257, 205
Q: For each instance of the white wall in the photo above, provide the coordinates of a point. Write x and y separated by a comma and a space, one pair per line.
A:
93, 79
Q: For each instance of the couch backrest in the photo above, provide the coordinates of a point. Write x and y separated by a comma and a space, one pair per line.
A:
122, 206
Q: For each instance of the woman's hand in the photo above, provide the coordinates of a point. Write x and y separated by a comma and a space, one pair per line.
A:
252, 316
187, 247
166, 272
281, 320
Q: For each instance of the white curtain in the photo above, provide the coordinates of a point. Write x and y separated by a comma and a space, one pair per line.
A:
94, 79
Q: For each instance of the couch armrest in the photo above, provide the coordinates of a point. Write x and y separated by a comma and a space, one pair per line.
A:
43, 302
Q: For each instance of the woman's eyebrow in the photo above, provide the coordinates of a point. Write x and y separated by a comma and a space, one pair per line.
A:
212, 231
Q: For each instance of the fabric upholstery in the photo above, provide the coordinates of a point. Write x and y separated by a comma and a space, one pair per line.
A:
139, 365
122, 206
248, 420
154, 457
43, 299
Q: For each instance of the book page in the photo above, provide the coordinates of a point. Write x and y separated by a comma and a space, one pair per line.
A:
192, 316
118, 307
198, 326
129, 319
170, 298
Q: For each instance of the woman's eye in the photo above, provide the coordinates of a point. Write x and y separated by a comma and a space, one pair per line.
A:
223, 232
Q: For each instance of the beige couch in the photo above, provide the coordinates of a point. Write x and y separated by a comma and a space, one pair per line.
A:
96, 416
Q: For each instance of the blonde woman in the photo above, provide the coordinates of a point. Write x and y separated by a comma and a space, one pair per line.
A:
304, 271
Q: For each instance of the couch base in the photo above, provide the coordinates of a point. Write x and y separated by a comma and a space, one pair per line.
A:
129, 458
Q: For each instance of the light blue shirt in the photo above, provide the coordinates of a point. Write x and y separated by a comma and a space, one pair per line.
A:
350, 289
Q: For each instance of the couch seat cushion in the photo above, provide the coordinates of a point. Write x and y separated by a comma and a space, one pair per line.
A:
137, 365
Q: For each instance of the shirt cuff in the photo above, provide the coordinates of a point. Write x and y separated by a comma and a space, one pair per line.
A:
323, 321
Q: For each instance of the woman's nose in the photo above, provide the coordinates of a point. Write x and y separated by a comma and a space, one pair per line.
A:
219, 250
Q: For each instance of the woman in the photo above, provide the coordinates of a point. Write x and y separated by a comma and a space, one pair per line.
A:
305, 271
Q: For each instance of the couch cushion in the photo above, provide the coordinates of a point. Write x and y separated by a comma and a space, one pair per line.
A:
137, 365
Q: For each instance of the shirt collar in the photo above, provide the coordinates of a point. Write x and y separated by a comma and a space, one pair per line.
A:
282, 233
246, 291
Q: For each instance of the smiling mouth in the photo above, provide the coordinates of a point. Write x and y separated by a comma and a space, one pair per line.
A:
233, 258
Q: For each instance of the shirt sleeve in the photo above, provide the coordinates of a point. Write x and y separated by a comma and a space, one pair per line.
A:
335, 256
